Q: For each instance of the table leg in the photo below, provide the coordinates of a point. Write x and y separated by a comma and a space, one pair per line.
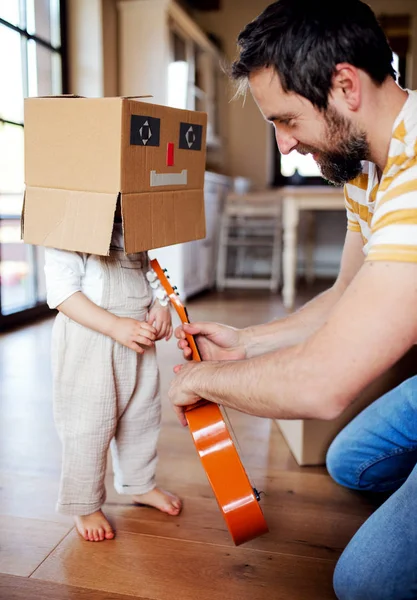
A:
309, 247
290, 223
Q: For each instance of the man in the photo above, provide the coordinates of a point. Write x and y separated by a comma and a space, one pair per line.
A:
321, 73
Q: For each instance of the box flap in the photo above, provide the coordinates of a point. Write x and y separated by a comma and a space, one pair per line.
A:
162, 218
73, 143
136, 97
78, 221
22, 217
61, 96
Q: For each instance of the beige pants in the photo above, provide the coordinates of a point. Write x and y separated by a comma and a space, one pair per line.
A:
106, 395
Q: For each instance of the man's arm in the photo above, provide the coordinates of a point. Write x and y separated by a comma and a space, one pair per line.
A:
372, 325
220, 342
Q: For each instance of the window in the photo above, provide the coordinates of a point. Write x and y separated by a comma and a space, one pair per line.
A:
31, 39
192, 75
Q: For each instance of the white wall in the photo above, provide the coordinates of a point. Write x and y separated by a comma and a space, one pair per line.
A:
92, 48
85, 47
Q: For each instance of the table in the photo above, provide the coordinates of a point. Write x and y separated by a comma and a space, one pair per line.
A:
296, 199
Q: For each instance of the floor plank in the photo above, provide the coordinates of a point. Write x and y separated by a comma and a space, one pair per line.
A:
25, 543
22, 588
163, 569
30, 496
309, 532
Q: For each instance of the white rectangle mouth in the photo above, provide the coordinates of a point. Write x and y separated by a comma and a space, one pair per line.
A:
158, 179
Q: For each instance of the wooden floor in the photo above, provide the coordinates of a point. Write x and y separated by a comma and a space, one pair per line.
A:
155, 556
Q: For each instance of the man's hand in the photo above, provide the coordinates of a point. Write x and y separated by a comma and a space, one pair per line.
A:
132, 333
180, 392
160, 317
214, 341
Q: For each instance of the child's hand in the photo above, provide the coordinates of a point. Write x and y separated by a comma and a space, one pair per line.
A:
133, 334
160, 317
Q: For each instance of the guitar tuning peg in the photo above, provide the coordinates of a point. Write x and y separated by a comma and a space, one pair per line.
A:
161, 294
151, 276
165, 270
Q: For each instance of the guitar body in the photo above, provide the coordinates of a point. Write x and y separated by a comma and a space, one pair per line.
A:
237, 499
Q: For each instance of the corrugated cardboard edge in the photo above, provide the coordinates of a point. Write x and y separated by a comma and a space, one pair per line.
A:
22, 217
86, 97
182, 219
69, 220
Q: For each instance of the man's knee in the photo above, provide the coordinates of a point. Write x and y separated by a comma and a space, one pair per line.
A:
347, 583
339, 463
360, 575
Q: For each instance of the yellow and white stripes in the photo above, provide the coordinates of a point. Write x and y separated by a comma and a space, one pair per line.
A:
385, 212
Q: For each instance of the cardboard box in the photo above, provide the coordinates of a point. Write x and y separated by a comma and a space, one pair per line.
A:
309, 440
83, 156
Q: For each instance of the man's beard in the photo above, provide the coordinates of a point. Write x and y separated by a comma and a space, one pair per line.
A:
349, 147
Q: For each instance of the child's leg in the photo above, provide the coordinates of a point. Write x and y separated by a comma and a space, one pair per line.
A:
85, 414
134, 445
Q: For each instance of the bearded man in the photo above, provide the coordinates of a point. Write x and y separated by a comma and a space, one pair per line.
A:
321, 72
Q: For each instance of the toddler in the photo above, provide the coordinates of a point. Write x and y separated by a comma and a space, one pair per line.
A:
106, 380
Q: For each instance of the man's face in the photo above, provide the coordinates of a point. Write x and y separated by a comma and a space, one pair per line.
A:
336, 143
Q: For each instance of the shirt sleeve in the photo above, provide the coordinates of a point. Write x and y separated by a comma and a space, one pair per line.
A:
63, 273
394, 223
352, 218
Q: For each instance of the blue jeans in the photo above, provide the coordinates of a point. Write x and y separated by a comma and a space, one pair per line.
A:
377, 451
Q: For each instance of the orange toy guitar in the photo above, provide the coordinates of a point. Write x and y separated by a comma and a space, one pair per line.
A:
237, 499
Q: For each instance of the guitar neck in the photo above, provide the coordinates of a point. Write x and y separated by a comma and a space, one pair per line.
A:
190, 338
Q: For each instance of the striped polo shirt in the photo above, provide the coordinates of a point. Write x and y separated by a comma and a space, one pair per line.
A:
385, 211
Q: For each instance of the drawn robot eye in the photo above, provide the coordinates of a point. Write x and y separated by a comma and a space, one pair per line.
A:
145, 131
191, 136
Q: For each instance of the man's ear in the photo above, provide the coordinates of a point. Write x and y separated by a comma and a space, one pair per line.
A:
346, 87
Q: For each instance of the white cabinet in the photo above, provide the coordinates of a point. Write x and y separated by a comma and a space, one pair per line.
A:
192, 266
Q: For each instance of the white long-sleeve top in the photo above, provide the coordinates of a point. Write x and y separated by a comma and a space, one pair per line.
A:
70, 272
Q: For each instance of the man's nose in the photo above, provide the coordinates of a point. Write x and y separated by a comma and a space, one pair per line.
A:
285, 142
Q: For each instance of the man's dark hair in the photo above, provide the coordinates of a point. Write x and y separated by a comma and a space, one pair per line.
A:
304, 40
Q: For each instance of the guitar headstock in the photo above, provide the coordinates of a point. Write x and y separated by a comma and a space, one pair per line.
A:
159, 280
159, 277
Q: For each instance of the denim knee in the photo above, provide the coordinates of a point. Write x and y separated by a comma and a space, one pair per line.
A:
338, 464
354, 579
345, 584
348, 585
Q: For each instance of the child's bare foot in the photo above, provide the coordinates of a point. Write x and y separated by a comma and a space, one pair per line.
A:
160, 499
94, 527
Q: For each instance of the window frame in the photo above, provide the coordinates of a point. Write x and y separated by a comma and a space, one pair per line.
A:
40, 308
